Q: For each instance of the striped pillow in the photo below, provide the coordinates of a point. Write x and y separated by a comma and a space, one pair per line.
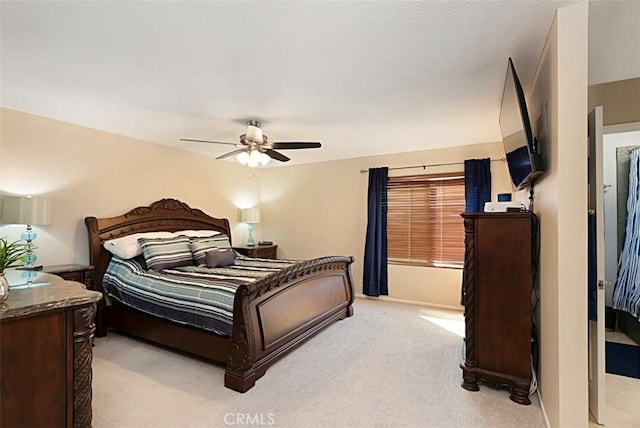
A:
200, 246
127, 247
166, 253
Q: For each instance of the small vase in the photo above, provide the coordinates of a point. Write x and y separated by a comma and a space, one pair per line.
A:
4, 288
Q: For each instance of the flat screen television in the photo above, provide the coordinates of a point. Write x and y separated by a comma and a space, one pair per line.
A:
520, 146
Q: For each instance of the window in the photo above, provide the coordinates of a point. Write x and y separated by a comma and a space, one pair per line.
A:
424, 226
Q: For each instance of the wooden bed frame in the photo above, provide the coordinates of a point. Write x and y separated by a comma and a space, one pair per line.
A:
270, 317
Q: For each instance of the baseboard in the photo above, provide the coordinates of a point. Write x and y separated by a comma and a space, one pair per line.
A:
411, 302
544, 413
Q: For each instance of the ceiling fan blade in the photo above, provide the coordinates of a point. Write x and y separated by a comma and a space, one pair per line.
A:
277, 156
207, 141
235, 152
289, 145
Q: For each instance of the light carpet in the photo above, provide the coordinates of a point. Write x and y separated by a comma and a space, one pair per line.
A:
390, 365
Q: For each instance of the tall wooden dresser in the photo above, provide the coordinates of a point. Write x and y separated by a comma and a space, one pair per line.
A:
46, 335
498, 284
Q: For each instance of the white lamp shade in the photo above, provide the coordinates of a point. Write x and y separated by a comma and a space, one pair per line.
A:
250, 215
243, 158
254, 134
264, 159
254, 158
23, 210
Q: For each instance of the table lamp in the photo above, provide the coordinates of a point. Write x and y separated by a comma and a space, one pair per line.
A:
250, 216
31, 212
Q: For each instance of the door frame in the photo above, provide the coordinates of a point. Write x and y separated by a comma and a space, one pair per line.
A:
596, 329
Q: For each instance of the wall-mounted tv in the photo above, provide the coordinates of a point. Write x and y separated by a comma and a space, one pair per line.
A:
521, 147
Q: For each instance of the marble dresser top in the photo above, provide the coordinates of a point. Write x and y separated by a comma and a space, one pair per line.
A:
32, 292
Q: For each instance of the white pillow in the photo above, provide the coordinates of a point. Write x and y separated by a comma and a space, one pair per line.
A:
128, 247
204, 233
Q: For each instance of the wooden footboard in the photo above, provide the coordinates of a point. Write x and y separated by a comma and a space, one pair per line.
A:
274, 315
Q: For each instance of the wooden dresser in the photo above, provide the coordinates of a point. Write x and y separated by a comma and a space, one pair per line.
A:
47, 329
498, 281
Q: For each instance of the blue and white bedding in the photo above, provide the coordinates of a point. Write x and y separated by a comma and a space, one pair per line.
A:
194, 295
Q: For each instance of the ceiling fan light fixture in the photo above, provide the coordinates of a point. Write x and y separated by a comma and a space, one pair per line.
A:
243, 158
264, 159
254, 159
254, 134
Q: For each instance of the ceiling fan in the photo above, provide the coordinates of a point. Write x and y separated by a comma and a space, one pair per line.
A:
255, 149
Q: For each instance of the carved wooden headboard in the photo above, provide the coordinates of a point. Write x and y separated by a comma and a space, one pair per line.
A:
164, 215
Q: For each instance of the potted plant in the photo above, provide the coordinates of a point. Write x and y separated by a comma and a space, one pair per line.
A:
10, 255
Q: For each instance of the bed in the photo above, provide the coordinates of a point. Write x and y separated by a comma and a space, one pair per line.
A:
271, 315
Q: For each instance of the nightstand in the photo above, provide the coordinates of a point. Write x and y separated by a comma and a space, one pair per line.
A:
79, 273
83, 274
258, 251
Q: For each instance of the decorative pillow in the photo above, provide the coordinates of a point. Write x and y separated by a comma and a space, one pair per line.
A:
222, 241
200, 246
220, 258
203, 233
166, 253
127, 247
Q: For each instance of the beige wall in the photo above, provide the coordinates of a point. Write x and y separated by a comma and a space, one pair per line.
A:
561, 205
320, 209
92, 173
309, 210
620, 101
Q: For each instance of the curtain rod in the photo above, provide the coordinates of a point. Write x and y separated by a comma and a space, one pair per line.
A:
363, 171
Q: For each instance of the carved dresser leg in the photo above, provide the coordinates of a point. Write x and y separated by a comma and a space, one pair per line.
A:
83, 328
469, 379
520, 392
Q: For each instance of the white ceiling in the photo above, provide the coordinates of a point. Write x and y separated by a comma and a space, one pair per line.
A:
363, 78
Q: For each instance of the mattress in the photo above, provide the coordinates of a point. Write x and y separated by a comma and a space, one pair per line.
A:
194, 295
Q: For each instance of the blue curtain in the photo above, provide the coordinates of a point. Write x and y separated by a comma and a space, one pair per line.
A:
477, 184
375, 250
477, 191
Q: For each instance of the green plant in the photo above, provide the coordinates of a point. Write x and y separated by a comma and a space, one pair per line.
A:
11, 253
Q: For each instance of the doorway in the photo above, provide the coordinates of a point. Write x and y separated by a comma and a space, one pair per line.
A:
618, 141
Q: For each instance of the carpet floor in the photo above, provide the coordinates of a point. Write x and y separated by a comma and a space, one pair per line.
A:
390, 365
622, 359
